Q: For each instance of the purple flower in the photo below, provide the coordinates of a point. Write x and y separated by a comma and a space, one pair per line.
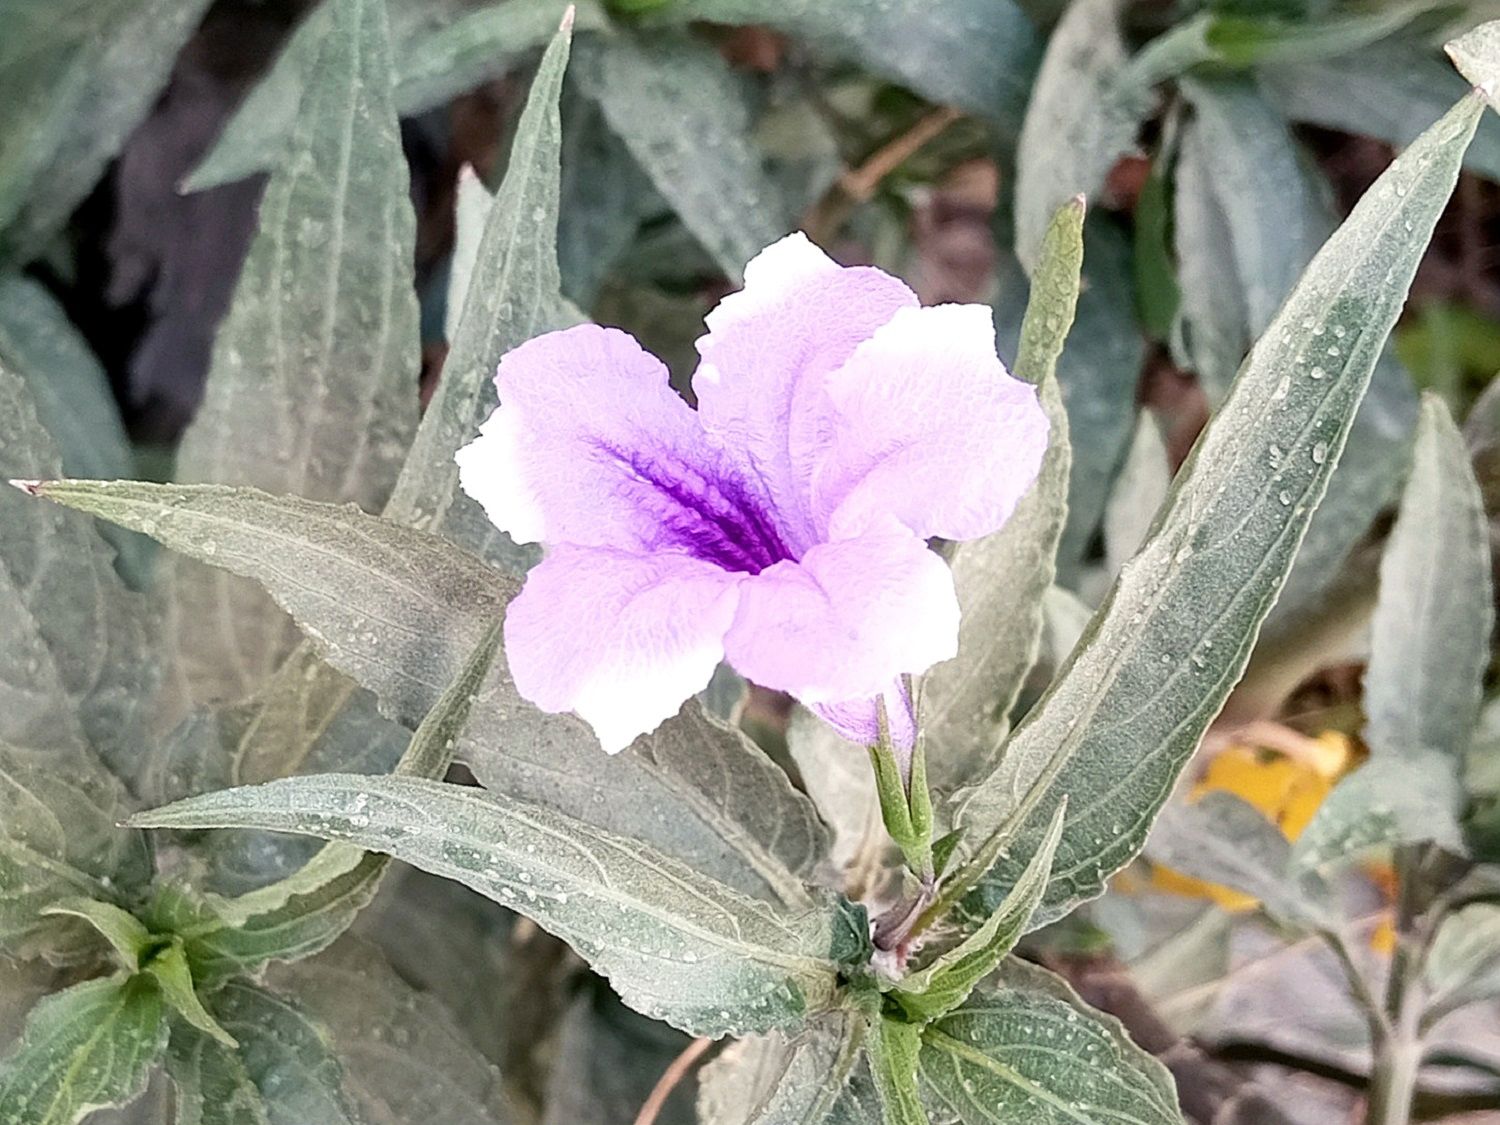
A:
782, 525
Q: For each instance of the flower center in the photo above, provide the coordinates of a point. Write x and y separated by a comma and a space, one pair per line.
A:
715, 518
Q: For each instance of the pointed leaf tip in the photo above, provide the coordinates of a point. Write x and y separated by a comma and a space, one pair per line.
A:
30, 487
566, 27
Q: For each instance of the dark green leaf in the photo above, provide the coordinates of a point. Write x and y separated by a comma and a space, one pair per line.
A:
1174, 635
894, 1047
87, 1047
677, 945
685, 117
312, 387
1025, 1048
778, 1079
213, 1087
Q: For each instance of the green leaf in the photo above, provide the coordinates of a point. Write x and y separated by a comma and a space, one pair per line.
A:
439, 52
76, 79
213, 1086
404, 1058
286, 1055
85, 1048
608, 1061
1175, 632
685, 117
1140, 490
59, 841
979, 55
938, 988
1391, 91
22, 984
778, 1079
75, 668
1476, 54
1387, 802
399, 610
301, 914
1430, 642
513, 294
1251, 213
965, 703
676, 944
1025, 1048
123, 930
169, 968
1463, 966
73, 399
312, 386
1225, 840
894, 1049
1082, 117
1158, 295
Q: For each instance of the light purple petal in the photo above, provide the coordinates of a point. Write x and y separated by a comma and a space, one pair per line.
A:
767, 353
929, 427
848, 619
620, 639
858, 720
590, 446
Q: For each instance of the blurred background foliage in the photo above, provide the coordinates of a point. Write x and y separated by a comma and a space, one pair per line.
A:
1219, 143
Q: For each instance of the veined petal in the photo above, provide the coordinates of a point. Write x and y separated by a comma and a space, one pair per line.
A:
847, 619
620, 639
769, 349
929, 427
590, 446
858, 720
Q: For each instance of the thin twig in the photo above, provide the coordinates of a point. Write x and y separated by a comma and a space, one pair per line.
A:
674, 1074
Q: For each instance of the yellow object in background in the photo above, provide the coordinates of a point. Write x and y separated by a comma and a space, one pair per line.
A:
1286, 785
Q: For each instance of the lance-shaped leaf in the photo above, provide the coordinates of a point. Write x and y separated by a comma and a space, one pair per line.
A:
213, 1086
439, 52
1082, 117
676, 944
940, 987
1464, 964
286, 1055
1429, 649
88, 1047
73, 399
1175, 632
893, 1052
685, 117
778, 1079
75, 670
399, 610
76, 78
60, 841
976, 54
1025, 1048
312, 386
404, 1059
1224, 840
965, 703
513, 293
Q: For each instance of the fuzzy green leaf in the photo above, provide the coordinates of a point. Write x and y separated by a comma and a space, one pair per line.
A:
76, 77
399, 610
976, 54
676, 944
440, 51
213, 1086
169, 968
943, 985
312, 386
1025, 1048
894, 1050
1175, 632
88, 1047
778, 1079
965, 703
685, 117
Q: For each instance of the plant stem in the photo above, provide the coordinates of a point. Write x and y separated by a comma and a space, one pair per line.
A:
1393, 1082
1398, 1046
